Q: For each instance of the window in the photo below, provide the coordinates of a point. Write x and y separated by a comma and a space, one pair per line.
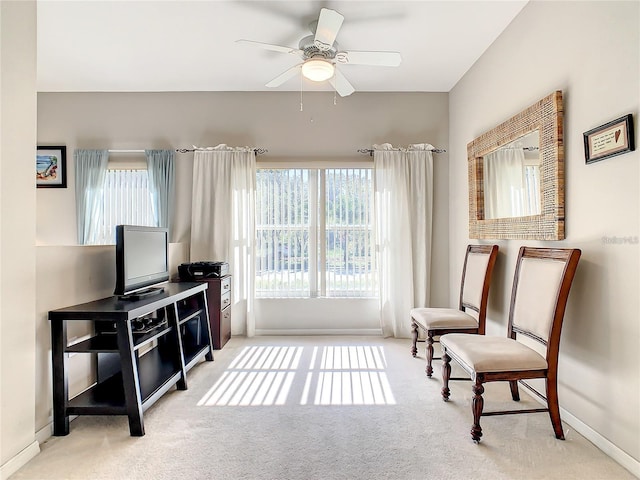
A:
314, 233
126, 200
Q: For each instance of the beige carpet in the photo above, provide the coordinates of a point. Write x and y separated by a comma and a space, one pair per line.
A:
320, 408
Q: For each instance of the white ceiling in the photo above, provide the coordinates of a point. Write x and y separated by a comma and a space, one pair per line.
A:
150, 45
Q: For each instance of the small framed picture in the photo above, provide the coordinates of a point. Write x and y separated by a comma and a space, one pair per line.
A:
612, 138
51, 167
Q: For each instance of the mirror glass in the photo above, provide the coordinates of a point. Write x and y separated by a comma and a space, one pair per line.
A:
512, 178
516, 176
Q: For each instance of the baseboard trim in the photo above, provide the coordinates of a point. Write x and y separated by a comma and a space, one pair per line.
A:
45, 433
613, 451
607, 447
377, 332
20, 460
14, 464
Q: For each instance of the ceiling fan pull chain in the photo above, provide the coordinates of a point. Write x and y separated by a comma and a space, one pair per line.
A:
301, 80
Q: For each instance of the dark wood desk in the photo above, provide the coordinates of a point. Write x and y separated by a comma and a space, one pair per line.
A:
171, 329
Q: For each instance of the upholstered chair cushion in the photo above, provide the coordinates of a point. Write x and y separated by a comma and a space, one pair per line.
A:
474, 276
535, 303
430, 318
485, 354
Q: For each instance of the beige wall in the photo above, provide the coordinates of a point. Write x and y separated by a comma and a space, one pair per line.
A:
17, 233
590, 51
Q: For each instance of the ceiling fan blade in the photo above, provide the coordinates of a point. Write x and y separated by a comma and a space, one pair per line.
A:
269, 46
329, 24
341, 84
283, 77
383, 59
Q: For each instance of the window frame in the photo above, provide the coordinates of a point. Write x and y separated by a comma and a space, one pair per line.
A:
317, 226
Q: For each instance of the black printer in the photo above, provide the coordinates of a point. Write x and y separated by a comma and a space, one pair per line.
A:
191, 272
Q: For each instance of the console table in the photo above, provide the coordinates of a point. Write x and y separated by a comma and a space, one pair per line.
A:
143, 348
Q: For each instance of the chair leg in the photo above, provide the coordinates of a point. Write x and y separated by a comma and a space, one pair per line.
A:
414, 338
554, 408
477, 404
515, 394
429, 368
446, 374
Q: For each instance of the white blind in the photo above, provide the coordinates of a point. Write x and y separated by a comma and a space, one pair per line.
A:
282, 233
350, 255
126, 200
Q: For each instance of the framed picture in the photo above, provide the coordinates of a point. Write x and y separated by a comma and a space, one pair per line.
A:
51, 167
610, 139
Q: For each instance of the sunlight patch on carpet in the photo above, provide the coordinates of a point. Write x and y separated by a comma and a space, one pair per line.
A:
278, 375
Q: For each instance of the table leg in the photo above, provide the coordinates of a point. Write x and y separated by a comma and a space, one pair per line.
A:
131, 384
206, 326
60, 379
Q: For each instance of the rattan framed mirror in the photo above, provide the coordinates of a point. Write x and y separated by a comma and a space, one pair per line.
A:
546, 118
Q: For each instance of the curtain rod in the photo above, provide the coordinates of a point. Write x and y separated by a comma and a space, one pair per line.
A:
369, 151
528, 149
258, 151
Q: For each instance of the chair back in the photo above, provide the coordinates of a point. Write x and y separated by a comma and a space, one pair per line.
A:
541, 284
476, 278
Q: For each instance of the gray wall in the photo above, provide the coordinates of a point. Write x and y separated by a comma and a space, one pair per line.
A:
590, 51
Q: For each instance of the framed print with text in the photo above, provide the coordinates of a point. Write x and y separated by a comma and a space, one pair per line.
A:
612, 138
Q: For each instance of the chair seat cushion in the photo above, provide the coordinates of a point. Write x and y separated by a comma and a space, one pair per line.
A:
434, 318
486, 354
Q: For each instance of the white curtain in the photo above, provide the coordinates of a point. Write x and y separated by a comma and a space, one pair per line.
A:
223, 222
404, 204
504, 186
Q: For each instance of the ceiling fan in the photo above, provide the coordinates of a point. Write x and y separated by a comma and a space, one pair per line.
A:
320, 54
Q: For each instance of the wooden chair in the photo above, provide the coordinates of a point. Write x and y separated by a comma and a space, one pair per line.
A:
474, 292
541, 286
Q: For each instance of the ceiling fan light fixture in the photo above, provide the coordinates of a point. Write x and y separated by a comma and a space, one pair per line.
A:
318, 70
